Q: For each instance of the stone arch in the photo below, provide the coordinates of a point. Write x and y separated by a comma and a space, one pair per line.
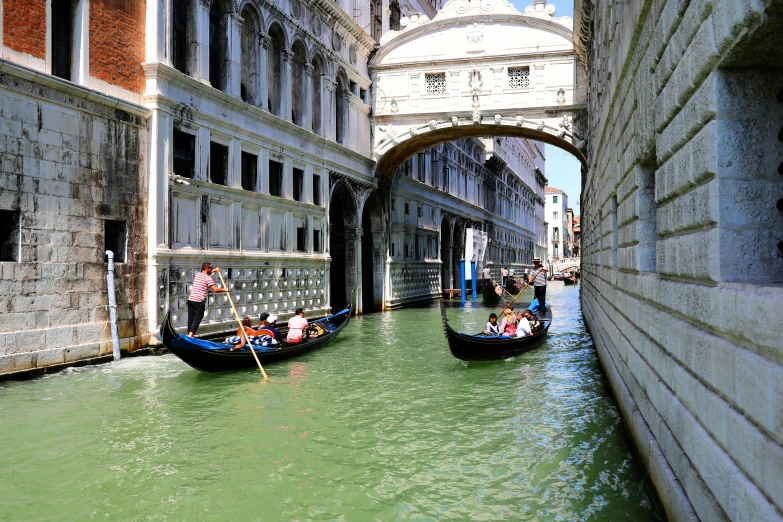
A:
341, 106
317, 92
275, 68
344, 234
299, 81
250, 78
394, 147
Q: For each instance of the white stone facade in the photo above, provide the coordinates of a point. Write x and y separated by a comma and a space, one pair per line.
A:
682, 259
557, 219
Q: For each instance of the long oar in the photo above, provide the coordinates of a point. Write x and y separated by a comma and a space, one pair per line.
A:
523, 289
241, 327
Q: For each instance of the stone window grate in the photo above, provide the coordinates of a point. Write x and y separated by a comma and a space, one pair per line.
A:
436, 83
519, 77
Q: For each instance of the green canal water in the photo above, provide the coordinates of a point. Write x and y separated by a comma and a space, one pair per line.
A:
381, 425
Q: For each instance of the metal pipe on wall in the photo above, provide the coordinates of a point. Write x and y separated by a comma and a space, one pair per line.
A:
115, 338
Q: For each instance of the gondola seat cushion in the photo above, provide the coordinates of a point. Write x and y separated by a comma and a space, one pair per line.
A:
261, 340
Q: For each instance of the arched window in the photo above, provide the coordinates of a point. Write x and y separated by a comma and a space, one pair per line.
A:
274, 69
340, 104
317, 73
217, 46
249, 62
298, 78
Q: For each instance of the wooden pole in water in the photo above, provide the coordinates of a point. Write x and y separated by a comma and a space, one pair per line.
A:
242, 328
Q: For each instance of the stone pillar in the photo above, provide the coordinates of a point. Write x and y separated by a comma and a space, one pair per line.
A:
448, 266
307, 98
234, 52
353, 260
286, 93
328, 108
155, 45
201, 69
385, 17
263, 85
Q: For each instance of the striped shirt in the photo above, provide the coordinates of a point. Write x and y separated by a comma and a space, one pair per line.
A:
201, 284
540, 279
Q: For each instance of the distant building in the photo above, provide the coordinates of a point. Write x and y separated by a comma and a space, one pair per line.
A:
577, 236
555, 211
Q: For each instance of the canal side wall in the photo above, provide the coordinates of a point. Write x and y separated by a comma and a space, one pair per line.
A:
681, 262
72, 183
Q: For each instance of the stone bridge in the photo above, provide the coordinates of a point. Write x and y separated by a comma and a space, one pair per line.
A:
479, 68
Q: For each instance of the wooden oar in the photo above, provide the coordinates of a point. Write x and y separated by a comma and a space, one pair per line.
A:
241, 327
523, 289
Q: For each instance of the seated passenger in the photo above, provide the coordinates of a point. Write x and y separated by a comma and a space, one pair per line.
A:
508, 326
493, 328
247, 324
498, 289
265, 325
296, 326
523, 324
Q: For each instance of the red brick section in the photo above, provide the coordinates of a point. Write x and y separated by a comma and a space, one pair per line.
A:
24, 26
117, 42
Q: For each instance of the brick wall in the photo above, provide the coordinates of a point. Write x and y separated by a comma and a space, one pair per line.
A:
682, 270
67, 164
117, 42
24, 26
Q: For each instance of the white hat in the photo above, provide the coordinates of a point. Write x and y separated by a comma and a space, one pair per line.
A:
271, 319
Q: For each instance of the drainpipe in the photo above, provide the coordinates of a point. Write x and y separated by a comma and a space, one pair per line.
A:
115, 339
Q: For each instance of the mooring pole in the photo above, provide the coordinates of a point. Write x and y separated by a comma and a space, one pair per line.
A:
473, 277
462, 289
115, 338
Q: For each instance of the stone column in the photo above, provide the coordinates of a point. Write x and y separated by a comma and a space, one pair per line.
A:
448, 266
328, 108
286, 92
155, 45
385, 17
353, 259
234, 52
201, 69
263, 86
307, 99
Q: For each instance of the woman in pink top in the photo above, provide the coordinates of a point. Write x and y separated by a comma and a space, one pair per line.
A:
296, 326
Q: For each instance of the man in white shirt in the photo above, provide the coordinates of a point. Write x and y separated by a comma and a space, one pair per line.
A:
503, 276
523, 325
487, 276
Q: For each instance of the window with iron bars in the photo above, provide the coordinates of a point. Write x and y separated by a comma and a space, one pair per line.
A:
519, 77
436, 83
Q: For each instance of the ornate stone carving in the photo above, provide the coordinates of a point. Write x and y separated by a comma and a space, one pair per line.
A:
520, 121
475, 82
498, 118
413, 132
337, 41
561, 95
475, 37
393, 105
206, 3
476, 118
454, 121
433, 124
462, 6
352, 54
296, 9
317, 25
566, 122
264, 40
540, 126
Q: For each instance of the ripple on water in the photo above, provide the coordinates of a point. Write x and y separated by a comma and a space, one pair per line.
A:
382, 425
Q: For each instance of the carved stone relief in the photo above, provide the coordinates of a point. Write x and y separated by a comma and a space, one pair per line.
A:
337, 41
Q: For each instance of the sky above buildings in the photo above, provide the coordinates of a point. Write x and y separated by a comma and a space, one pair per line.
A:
563, 7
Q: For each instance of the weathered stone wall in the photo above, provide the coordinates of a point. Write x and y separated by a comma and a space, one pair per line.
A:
70, 159
681, 257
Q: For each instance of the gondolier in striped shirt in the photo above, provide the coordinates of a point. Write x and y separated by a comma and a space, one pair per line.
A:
197, 300
539, 283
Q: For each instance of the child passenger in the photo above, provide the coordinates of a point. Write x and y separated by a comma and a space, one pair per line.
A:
492, 326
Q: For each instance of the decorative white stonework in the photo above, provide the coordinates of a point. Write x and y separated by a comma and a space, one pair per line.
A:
524, 70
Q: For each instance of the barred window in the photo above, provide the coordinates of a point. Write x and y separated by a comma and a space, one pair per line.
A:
519, 77
436, 83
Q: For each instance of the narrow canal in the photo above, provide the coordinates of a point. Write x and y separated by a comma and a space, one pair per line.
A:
382, 425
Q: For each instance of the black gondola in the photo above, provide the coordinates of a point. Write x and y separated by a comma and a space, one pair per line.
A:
569, 280
483, 347
488, 294
210, 356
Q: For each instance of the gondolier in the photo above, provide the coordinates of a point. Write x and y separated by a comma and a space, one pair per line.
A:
197, 300
539, 283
